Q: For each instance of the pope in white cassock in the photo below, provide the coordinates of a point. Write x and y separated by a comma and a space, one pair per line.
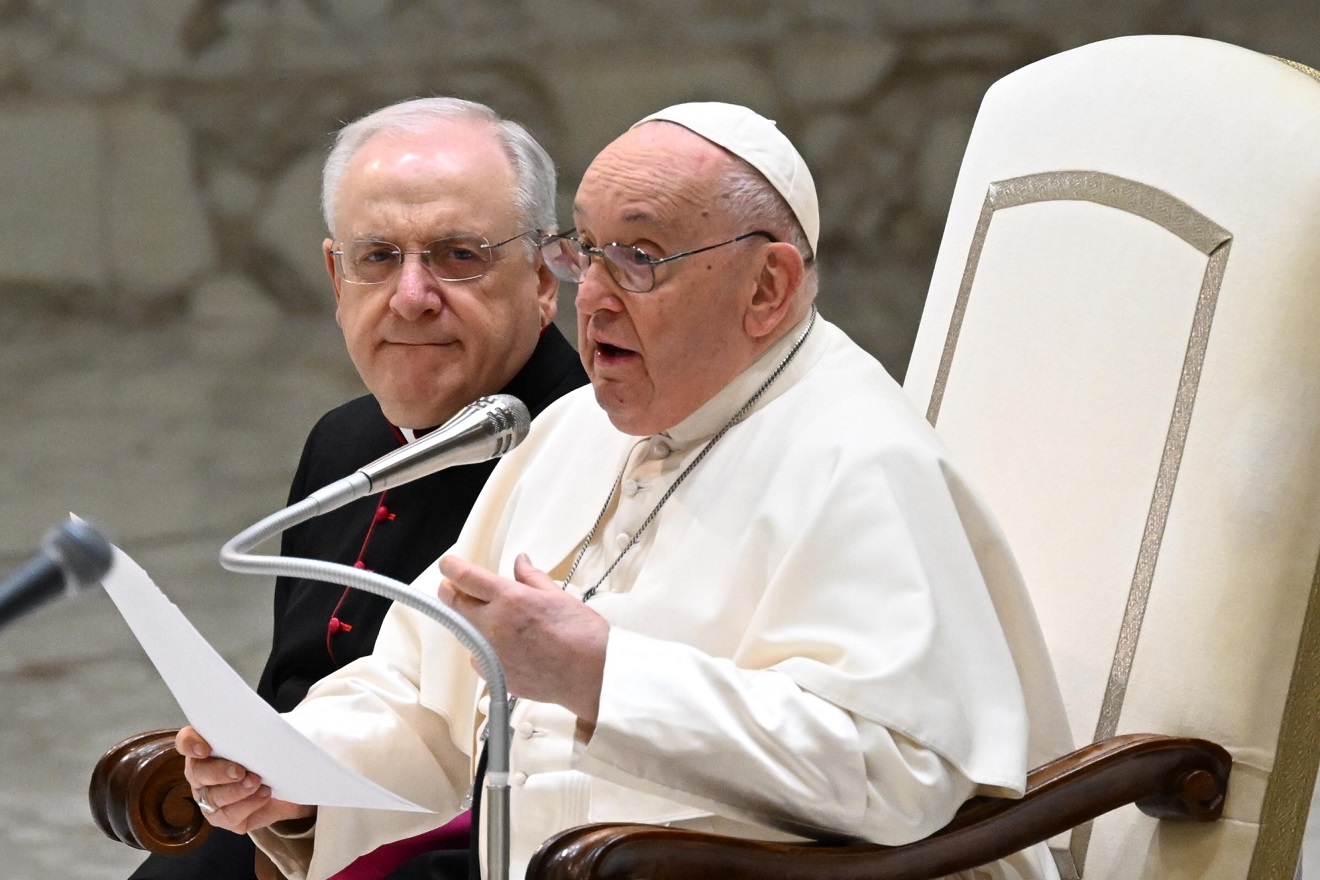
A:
736, 585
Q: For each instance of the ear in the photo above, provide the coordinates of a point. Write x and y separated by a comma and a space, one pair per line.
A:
547, 292
777, 286
326, 247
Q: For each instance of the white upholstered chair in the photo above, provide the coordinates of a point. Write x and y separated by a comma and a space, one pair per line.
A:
1122, 344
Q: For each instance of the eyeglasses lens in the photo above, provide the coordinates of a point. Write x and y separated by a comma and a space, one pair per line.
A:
449, 259
569, 260
630, 266
566, 259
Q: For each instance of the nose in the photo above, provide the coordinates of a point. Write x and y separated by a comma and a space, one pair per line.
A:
597, 291
416, 292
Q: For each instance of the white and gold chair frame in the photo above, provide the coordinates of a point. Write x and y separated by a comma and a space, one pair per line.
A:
1121, 344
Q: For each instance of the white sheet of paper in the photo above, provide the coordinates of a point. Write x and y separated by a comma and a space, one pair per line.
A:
237, 723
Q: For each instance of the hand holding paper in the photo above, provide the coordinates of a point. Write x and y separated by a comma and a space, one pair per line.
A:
237, 724
231, 796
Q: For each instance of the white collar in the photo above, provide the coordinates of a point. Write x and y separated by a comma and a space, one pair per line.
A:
712, 415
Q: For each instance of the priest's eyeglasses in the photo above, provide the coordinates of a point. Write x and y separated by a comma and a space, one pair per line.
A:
458, 258
631, 267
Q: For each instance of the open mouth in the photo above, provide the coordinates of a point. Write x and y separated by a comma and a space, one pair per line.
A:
611, 351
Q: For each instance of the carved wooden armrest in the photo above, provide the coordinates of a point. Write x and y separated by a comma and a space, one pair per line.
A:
1166, 777
139, 796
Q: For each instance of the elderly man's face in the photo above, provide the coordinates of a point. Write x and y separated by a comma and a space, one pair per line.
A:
425, 347
655, 357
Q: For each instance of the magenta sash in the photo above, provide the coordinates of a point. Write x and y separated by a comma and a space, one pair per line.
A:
389, 856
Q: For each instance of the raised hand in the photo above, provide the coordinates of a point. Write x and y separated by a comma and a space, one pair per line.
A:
551, 645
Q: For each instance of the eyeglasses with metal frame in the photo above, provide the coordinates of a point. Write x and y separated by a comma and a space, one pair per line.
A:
631, 267
457, 258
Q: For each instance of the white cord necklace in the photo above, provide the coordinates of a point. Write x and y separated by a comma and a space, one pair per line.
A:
737, 417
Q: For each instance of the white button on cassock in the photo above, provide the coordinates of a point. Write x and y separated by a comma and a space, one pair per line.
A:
621, 540
630, 487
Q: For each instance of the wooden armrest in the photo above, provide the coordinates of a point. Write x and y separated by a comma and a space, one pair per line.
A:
139, 796
1166, 777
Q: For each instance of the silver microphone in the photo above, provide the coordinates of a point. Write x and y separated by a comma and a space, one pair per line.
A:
484, 429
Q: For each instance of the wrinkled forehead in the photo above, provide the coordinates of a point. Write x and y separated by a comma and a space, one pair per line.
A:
658, 172
457, 169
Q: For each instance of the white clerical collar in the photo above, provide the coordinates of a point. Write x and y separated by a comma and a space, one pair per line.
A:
411, 434
716, 412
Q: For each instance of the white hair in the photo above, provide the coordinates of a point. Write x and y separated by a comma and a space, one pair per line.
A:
533, 169
754, 203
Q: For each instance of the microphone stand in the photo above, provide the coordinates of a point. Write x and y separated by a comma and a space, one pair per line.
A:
234, 556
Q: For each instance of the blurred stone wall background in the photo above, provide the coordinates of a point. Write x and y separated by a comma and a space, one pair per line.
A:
166, 337
159, 158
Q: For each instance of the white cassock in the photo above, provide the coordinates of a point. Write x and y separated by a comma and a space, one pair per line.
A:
822, 632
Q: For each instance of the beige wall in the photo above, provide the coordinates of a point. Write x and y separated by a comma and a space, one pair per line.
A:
159, 158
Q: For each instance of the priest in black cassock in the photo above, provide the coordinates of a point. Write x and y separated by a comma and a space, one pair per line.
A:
435, 207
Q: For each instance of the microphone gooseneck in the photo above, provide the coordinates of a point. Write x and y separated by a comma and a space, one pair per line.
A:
485, 429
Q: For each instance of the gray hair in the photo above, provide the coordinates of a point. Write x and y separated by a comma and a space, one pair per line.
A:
754, 203
533, 169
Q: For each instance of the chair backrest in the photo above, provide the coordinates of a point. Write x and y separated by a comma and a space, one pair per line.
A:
1122, 344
